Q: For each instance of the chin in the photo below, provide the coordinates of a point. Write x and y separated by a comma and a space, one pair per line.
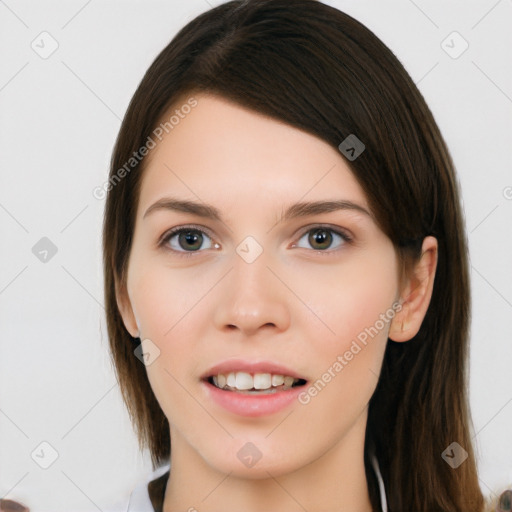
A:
244, 460
260, 471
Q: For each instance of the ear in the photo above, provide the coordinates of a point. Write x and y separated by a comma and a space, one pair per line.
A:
416, 294
126, 310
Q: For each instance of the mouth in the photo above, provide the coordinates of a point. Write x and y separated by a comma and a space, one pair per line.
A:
254, 383
252, 388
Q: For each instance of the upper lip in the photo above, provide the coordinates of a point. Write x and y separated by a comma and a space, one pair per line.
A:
252, 367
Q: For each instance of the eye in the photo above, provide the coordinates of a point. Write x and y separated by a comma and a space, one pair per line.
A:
186, 240
321, 238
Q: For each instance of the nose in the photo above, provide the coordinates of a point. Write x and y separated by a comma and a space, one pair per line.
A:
252, 297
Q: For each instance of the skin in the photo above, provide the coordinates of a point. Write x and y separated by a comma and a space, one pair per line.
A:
296, 304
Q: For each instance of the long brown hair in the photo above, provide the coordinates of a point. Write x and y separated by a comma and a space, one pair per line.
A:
318, 69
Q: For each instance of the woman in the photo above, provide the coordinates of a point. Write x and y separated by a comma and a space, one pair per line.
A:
286, 275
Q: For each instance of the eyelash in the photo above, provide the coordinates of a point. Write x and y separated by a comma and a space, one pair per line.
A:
174, 231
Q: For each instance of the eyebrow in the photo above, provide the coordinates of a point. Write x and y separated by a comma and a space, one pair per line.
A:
301, 209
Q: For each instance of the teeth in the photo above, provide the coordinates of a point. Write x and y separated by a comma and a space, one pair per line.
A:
221, 381
277, 380
288, 381
244, 381
231, 380
262, 381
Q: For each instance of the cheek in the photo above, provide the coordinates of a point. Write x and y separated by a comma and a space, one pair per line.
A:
348, 300
165, 298
349, 330
347, 362
171, 313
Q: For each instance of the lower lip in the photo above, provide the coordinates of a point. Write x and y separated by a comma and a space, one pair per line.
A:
253, 405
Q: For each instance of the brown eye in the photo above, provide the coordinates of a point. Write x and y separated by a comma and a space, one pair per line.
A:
190, 240
322, 238
186, 240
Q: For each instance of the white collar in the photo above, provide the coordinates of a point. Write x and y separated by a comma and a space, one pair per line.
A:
140, 502
382, 490
139, 498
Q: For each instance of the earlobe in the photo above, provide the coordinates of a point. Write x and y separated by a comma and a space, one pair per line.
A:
126, 311
400, 324
416, 295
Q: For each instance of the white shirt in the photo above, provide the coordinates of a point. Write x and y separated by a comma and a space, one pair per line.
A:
140, 502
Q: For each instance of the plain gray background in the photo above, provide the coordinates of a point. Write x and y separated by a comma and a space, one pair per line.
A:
59, 116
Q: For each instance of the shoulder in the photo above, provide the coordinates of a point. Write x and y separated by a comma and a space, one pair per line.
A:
145, 496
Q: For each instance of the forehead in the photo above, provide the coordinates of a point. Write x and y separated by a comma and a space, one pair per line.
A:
220, 150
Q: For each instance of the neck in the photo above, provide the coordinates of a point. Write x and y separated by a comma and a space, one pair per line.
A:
336, 481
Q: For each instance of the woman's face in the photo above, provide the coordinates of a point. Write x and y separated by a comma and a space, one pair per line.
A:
258, 291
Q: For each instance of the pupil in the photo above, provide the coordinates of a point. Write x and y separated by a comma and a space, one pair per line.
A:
190, 238
320, 236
